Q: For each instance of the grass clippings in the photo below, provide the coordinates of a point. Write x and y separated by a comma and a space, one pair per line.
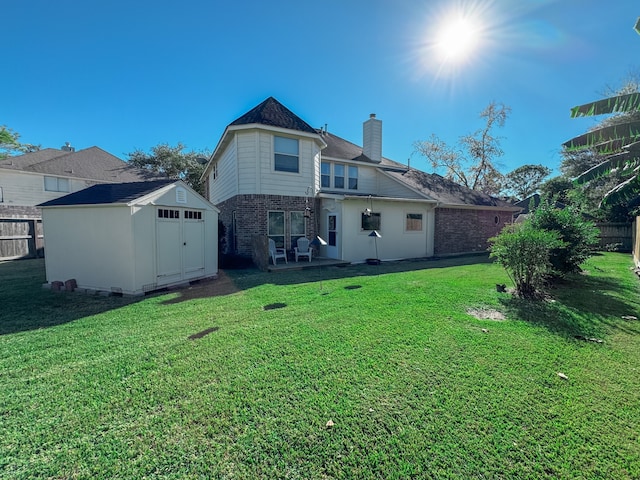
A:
486, 314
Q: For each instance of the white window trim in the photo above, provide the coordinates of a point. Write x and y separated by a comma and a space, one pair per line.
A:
345, 177
273, 156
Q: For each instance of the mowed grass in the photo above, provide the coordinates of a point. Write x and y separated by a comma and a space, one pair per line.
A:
206, 382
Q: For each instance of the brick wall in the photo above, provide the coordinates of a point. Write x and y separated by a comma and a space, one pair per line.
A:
466, 231
251, 218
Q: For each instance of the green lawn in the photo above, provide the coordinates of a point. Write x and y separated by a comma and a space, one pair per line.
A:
108, 387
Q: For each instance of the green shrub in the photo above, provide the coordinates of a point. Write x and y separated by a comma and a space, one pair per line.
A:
524, 251
579, 236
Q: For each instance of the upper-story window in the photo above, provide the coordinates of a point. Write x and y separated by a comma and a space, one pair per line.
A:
56, 184
286, 154
353, 177
338, 176
214, 171
325, 175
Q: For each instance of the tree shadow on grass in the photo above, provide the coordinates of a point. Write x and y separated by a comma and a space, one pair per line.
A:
583, 306
233, 281
25, 305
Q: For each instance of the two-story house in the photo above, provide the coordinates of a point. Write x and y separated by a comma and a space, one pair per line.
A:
273, 174
37, 177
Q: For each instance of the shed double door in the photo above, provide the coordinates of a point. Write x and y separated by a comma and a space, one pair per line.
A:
179, 244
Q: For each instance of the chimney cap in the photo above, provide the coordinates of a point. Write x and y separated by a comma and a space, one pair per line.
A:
372, 115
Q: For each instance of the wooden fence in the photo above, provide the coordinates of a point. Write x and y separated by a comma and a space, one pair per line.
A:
21, 238
636, 242
616, 236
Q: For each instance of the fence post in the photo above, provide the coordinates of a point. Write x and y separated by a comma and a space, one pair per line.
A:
31, 241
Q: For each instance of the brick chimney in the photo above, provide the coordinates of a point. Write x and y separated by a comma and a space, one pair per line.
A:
372, 138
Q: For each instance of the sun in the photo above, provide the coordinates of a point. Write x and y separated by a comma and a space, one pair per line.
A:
457, 39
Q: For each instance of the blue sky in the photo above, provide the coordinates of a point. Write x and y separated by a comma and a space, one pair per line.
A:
130, 75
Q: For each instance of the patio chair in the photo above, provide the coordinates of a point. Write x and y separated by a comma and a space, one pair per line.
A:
303, 249
276, 253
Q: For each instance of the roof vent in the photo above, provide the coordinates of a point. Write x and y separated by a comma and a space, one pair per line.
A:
67, 147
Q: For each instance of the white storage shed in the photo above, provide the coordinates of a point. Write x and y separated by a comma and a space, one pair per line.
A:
130, 238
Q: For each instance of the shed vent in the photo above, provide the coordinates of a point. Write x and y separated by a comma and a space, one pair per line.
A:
181, 195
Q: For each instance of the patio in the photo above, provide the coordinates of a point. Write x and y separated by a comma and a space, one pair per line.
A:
305, 265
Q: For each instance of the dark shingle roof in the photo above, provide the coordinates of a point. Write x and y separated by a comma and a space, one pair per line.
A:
108, 193
447, 191
91, 163
23, 162
342, 149
271, 112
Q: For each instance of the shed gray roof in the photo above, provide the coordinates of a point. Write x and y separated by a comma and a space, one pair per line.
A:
271, 112
109, 193
91, 163
447, 191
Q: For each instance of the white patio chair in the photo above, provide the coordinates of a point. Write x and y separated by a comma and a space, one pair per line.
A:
303, 249
276, 253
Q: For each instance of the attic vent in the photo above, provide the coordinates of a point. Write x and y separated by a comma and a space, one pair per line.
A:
67, 147
181, 195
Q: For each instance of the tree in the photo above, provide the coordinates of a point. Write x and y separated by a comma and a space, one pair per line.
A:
557, 189
579, 236
471, 165
525, 251
173, 162
10, 143
617, 139
525, 180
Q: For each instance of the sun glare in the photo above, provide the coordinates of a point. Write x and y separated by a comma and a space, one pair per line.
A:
456, 40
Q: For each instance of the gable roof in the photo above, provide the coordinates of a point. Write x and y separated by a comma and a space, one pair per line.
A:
109, 193
271, 112
447, 192
91, 163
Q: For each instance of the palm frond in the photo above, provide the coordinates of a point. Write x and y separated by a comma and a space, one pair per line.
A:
618, 104
629, 131
627, 160
625, 192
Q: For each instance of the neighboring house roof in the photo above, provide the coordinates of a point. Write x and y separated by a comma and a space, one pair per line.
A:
342, 149
23, 162
535, 198
91, 163
446, 191
109, 193
271, 112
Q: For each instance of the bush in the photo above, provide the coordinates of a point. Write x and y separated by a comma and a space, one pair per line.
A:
579, 236
524, 251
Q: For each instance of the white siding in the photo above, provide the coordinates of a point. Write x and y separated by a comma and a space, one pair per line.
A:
79, 240
248, 162
367, 180
226, 183
284, 183
27, 189
396, 243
